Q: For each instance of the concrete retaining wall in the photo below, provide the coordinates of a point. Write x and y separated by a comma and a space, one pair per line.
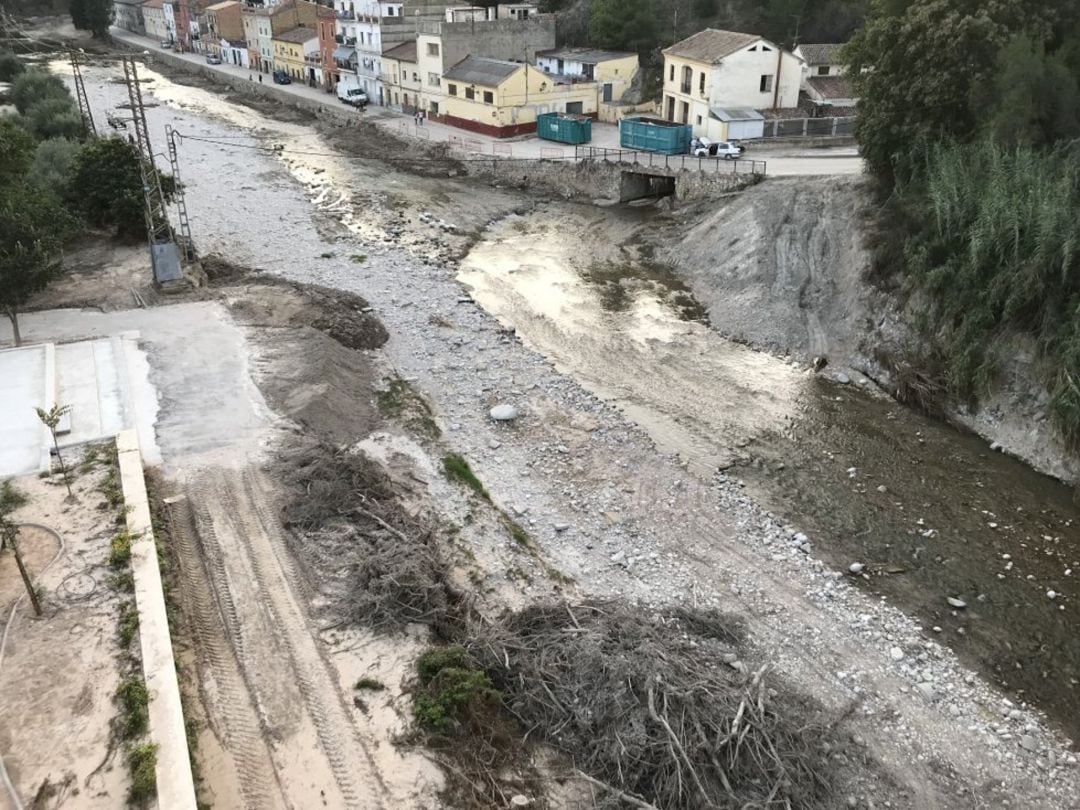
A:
592, 179
175, 785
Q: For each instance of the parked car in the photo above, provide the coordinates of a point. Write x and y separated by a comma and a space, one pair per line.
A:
703, 147
352, 95
166, 44
213, 59
281, 77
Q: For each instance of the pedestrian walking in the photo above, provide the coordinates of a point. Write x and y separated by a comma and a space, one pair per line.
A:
423, 115
416, 117
260, 78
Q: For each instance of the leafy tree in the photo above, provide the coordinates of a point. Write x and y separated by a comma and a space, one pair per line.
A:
10, 66
916, 63
16, 151
32, 228
52, 165
1035, 98
106, 187
34, 86
54, 117
92, 15
624, 25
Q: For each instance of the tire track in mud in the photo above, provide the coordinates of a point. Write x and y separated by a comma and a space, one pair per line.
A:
236, 512
222, 683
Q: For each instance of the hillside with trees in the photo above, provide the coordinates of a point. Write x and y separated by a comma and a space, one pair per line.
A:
969, 121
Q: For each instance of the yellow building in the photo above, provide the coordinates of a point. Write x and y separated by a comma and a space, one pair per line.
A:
401, 76
614, 74
503, 99
289, 50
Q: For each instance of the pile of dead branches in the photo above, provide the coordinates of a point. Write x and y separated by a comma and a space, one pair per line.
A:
655, 711
353, 530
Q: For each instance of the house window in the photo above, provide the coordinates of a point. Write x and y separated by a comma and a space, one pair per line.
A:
415, 76
489, 97
389, 11
671, 74
765, 48
765, 86
701, 85
452, 90
434, 108
433, 79
699, 120
433, 49
470, 94
687, 78
823, 70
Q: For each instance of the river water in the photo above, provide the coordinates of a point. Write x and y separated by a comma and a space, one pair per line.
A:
930, 512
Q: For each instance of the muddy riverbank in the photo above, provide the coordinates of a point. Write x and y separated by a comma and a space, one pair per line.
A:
603, 492
928, 511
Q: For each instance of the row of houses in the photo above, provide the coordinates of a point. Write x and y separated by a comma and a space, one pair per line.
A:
725, 83
496, 69
486, 69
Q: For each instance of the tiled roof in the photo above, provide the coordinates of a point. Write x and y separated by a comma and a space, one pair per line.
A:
711, 45
588, 56
821, 54
831, 86
403, 51
483, 71
298, 35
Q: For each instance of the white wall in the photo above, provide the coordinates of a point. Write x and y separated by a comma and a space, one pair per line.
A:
736, 81
550, 64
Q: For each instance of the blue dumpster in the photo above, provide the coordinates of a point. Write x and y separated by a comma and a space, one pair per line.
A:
654, 135
573, 129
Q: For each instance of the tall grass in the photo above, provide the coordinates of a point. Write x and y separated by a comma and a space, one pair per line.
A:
998, 251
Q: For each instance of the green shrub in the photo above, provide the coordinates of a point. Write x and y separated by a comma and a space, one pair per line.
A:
35, 85
372, 684
453, 692
134, 707
10, 66
53, 117
142, 762
128, 626
120, 549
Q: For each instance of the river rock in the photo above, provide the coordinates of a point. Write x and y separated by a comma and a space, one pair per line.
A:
504, 413
897, 654
1027, 742
843, 378
927, 690
856, 568
959, 604
1051, 594
519, 801
561, 527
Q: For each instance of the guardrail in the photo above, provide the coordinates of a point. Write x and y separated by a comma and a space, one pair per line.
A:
671, 162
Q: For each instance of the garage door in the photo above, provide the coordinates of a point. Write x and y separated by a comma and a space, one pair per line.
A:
745, 129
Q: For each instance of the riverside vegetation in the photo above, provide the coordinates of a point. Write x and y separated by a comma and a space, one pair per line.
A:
56, 183
969, 119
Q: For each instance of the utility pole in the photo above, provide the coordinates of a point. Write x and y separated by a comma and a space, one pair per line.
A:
186, 243
163, 254
80, 95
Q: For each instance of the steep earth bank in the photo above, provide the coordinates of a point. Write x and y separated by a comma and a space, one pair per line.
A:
783, 266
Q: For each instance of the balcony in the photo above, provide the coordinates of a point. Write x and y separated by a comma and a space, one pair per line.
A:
344, 15
314, 59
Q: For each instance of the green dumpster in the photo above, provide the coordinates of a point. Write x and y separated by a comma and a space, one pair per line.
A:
572, 129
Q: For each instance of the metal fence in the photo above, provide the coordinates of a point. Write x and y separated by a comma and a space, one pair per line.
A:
808, 127
672, 162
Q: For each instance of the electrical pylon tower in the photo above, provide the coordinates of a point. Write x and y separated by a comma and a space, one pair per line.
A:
80, 95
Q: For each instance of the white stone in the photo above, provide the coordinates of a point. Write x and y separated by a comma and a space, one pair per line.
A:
856, 568
504, 413
956, 603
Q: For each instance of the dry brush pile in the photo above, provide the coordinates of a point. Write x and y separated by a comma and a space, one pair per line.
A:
648, 709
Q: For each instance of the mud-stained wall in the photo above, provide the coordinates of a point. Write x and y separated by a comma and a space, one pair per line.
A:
594, 179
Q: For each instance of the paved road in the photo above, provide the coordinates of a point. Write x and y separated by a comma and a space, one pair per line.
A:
782, 160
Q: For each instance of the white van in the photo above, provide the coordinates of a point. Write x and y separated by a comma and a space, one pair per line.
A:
351, 94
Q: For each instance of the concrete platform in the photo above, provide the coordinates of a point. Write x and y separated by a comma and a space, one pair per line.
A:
103, 381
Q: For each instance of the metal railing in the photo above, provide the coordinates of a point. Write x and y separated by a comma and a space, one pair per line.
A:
809, 127
656, 160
